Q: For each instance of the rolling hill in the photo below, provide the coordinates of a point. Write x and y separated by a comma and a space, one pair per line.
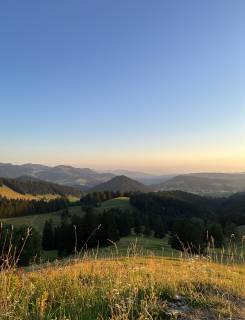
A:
213, 184
142, 177
29, 188
65, 175
8, 193
82, 178
122, 184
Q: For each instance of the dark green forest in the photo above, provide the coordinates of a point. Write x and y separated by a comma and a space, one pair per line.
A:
17, 208
190, 221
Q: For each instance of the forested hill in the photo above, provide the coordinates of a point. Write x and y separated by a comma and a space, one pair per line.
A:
121, 184
176, 204
29, 185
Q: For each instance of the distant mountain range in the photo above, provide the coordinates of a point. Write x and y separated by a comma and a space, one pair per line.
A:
213, 184
64, 175
84, 179
122, 184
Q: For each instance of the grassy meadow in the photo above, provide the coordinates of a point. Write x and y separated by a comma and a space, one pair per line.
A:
142, 245
120, 288
38, 220
120, 202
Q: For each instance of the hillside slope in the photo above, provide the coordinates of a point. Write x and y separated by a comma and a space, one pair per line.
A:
8, 193
28, 188
122, 184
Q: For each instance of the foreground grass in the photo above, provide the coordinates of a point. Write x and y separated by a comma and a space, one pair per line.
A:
131, 287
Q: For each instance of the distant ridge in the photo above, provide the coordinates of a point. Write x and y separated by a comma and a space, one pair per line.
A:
142, 177
122, 184
83, 178
218, 184
65, 175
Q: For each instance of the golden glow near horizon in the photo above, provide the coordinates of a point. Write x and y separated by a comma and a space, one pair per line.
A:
174, 162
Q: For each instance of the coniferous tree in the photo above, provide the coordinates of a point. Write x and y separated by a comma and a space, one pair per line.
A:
21, 245
92, 223
188, 234
48, 241
158, 227
108, 231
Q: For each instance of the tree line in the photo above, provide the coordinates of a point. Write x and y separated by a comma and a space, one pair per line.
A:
16, 207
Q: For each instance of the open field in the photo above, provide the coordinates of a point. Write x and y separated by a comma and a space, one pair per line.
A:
73, 198
155, 247
132, 287
120, 202
38, 220
142, 245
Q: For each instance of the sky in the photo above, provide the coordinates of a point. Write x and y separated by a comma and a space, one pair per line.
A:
157, 86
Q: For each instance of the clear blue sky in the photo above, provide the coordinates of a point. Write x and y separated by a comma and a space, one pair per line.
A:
151, 85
